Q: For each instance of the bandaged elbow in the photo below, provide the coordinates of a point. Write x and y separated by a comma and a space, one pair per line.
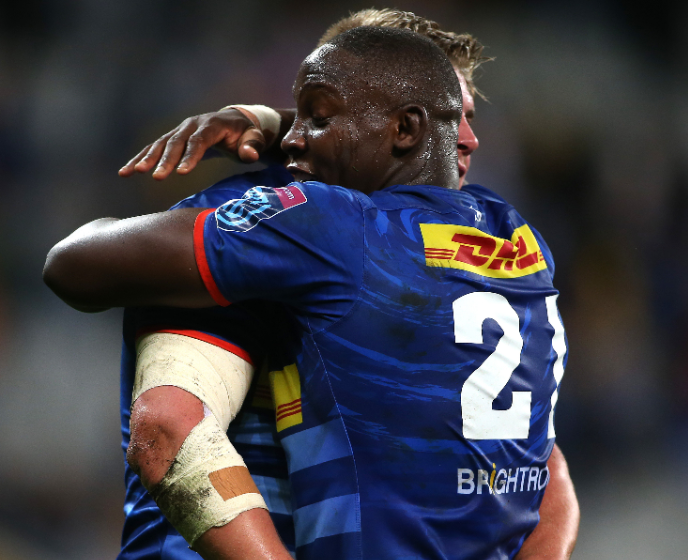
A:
207, 484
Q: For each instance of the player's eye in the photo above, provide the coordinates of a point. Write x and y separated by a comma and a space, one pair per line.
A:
320, 122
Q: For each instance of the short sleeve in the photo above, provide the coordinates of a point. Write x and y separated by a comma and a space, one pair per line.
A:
302, 245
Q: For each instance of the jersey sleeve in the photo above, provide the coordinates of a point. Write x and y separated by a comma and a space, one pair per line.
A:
244, 330
302, 245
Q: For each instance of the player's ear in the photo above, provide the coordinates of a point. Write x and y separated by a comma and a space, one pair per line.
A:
410, 125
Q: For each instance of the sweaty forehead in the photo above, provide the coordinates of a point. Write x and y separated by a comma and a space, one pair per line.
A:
329, 65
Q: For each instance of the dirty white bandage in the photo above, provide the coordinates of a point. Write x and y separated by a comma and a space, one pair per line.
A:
268, 119
208, 484
217, 377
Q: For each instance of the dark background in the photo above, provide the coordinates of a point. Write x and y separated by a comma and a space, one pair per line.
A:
586, 132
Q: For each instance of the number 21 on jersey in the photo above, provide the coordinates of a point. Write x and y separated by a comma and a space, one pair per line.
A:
480, 420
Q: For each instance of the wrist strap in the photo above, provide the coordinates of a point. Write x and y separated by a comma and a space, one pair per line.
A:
266, 119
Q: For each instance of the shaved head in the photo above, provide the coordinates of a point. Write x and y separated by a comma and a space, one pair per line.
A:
404, 66
376, 107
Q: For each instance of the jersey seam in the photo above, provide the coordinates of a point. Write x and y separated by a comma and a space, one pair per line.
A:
201, 259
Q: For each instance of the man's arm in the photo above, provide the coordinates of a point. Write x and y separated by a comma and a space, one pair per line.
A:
147, 260
229, 131
162, 419
175, 377
250, 536
555, 536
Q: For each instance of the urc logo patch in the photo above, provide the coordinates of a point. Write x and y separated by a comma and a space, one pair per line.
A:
258, 203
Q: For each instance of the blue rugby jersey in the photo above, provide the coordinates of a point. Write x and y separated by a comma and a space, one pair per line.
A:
244, 330
417, 416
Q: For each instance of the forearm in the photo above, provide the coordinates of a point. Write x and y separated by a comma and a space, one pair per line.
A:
147, 260
251, 535
161, 420
555, 536
170, 400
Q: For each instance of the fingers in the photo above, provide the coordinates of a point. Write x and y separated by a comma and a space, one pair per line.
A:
148, 161
195, 149
172, 150
164, 153
250, 145
129, 169
184, 146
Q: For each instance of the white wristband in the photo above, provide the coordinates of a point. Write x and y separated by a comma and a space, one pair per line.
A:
268, 120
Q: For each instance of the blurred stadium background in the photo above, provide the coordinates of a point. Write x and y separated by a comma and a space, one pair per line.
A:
586, 132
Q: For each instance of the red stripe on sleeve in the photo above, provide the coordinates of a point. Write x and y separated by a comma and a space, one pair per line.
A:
202, 261
198, 335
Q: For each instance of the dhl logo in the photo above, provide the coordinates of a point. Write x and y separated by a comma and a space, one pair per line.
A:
286, 390
468, 248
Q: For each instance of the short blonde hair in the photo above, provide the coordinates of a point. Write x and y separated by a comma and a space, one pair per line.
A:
464, 50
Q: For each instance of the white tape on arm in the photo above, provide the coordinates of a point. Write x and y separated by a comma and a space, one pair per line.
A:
217, 377
268, 120
208, 484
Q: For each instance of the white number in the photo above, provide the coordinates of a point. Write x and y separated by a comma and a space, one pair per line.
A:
481, 388
559, 346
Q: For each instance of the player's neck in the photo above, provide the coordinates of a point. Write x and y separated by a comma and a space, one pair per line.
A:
433, 162
427, 172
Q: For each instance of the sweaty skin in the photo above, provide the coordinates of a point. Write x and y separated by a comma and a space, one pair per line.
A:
231, 131
149, 260
340, 135
111, 251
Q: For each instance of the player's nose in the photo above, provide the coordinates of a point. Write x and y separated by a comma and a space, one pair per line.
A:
294, 141
468, 141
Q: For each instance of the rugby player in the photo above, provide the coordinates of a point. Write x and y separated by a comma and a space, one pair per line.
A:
401, 141
240, 132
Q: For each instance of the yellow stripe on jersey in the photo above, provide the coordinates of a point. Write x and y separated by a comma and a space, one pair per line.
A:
286, 392
468, 248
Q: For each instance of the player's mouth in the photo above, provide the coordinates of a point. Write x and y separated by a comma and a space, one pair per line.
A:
300, 173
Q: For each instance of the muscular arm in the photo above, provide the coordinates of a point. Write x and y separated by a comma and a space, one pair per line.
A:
147, 260
161, 420
555, 536
251, 535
